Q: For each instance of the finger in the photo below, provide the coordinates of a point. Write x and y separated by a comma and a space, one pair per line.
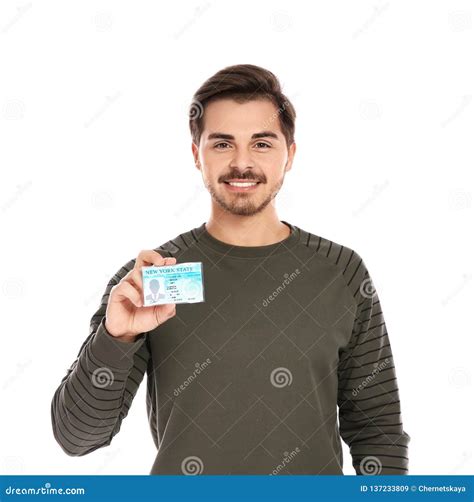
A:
134, 277
163, 314
149, 257
125, 290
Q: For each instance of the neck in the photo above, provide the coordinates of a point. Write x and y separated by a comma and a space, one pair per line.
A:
261, 229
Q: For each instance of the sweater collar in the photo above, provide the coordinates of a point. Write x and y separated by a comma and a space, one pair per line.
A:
204, 237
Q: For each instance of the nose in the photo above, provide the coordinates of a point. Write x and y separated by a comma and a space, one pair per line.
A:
242, 159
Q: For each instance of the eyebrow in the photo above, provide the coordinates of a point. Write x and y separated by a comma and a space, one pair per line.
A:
257, 135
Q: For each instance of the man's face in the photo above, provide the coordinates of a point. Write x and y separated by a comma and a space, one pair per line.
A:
154, 286
242, 142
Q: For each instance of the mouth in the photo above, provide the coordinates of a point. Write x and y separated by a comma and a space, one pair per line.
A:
241, 186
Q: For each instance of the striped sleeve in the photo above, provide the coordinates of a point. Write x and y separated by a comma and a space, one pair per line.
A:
95, 395
370, 419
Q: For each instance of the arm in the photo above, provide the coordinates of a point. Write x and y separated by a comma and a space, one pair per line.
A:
95, 395
370, 418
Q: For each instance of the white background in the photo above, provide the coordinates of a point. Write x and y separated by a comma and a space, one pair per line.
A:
94, 138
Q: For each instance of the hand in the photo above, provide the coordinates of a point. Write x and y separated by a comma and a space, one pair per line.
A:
126, 317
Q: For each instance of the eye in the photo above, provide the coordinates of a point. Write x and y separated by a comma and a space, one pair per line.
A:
264, 144
218, 144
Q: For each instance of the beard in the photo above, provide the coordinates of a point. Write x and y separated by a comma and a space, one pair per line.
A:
243, 204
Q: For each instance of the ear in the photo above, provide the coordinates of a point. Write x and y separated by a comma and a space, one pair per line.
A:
195, 150
291, 156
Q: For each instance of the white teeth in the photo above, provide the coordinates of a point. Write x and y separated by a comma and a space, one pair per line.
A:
237, 184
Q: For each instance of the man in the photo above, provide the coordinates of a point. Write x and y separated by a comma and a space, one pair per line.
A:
154, 295
291, 331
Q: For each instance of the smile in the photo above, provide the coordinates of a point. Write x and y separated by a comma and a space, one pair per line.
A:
241, 186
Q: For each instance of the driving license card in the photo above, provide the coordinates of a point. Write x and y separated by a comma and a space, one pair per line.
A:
180, 283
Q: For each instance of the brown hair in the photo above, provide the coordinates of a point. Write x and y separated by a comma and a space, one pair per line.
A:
242, 83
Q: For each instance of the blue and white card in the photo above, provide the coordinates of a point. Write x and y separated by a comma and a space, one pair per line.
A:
180, 283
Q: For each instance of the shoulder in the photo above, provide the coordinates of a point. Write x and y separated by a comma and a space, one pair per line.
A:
177, 245
346, 261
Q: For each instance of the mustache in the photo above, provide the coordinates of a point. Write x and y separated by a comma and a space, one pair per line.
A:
223, 179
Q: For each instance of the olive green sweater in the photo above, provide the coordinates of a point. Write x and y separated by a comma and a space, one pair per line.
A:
288, 354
